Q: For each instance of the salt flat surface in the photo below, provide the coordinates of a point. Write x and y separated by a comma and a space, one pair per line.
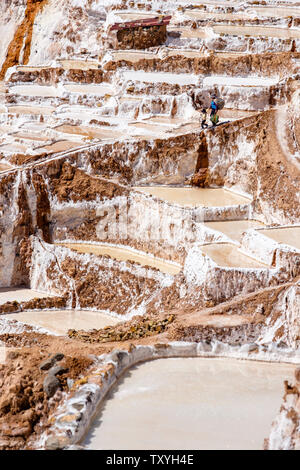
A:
288, 235
234, 228
191, 403
35, 90
194, 196
59, 322
226, 255
9, 294
160, 77
61, 146
239, 81
124, 254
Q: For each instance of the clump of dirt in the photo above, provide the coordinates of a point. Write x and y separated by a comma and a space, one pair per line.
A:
135, 329
68, 182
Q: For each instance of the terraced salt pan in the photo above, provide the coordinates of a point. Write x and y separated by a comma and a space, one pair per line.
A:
5, 166
13, 148
234, 228
286, 235
100, 90
31, 136
279, 11
79, 64
124, 254
192, 197
229, 256
239, 81
9, 294
203, 404
208, 15
61, 146
89, 131
160, 77
257, 31
60, 321
31, 110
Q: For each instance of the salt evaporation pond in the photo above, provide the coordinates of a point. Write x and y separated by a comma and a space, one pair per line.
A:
191, 403
210, 197
60, 321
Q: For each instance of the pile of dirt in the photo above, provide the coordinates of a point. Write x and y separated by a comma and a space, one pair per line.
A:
135, 329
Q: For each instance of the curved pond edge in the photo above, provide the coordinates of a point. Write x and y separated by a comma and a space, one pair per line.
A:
73, 418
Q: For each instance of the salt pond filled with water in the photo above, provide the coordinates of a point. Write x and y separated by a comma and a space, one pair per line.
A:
191, 403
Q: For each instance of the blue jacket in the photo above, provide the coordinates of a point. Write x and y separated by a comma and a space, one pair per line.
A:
213, 107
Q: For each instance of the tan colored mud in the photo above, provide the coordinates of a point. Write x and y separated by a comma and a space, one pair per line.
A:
194, 196
234, 228
288, 236
227, 255
123, 254
203, 404
59, 322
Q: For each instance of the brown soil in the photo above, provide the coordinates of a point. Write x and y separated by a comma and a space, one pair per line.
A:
23, 404
23, 31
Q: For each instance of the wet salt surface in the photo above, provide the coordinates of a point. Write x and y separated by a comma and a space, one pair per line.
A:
288, 235
191, 403
234, 228
226, 255
59, 322
208, 197
123, 254
9, 294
